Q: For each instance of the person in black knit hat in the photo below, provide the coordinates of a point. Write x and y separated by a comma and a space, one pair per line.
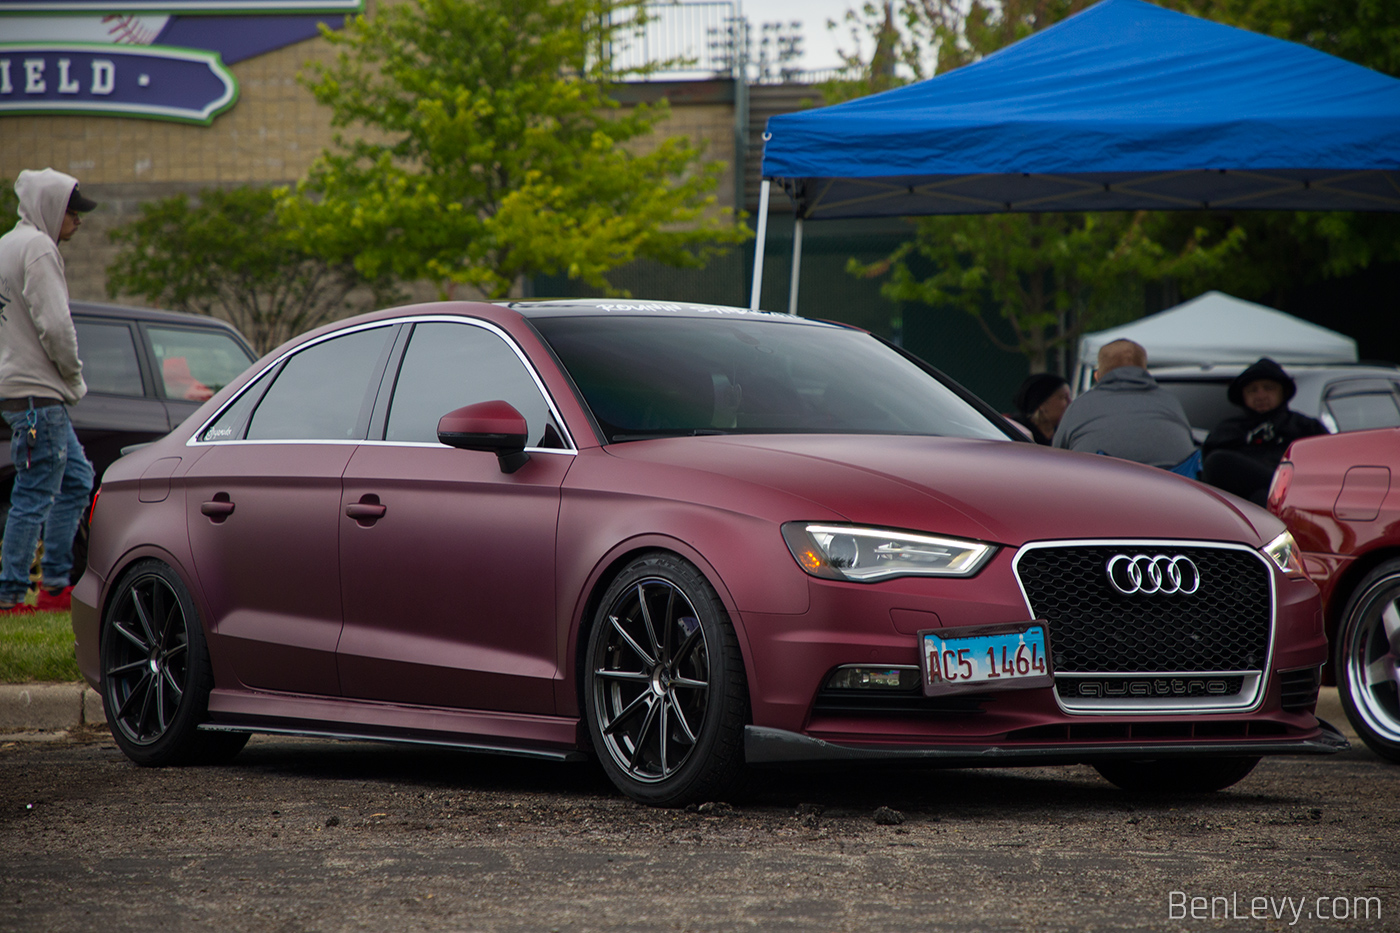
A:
1040, 404
1241, 454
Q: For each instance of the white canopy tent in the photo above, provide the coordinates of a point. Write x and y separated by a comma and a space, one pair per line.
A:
1215, 329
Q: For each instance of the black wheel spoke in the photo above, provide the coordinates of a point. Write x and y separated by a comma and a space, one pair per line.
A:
174, 684
646, 621
627, 712
160, 615
143, 616
631, 642
666, 637
127, 668
137, 691
148, 700
688, 732
687, 646
639, 744
635, 677
132, 637
663, 732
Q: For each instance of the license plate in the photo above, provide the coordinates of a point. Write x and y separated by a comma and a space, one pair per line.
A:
986, 657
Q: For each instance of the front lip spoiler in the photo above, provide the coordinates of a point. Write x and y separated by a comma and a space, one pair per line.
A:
765, 746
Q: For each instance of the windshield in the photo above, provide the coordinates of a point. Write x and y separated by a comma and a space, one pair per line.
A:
649, 377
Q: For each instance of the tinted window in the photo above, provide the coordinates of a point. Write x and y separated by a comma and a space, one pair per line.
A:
193, 364
1358, 405
233, 419
108, 353
323, 392
449, 366
1206, 403
653, 376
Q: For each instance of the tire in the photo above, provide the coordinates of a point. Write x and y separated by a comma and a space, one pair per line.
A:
1176, 775
664, 687
1367, 660
156, 675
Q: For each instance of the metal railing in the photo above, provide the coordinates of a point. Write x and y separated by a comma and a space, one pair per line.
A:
711, 38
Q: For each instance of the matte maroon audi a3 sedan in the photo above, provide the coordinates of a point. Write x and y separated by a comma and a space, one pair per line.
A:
686, 540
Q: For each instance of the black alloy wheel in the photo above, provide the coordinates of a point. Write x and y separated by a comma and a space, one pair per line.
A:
1367, 660
1175, 775
664, 685
156, 675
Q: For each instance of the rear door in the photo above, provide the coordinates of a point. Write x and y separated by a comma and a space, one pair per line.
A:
263, 507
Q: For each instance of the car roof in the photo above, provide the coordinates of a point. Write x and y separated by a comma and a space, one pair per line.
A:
154, 315
1224, 372
634, 307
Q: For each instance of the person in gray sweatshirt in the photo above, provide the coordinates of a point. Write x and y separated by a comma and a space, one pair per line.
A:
40, 375
1126, 414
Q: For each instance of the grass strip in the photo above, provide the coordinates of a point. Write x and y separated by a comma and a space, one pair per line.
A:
37, 646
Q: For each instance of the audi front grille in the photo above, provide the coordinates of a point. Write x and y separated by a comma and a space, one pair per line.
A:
1152, 625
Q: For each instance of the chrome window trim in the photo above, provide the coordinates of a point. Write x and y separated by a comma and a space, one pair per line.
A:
1245, 702
571, 447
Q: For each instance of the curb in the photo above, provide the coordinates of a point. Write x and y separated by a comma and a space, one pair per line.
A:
49, 707
53, 707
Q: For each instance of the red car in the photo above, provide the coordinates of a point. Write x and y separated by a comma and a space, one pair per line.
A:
1338, 498
686, 540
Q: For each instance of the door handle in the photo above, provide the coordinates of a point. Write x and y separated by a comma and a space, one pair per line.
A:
219, 508
367, 511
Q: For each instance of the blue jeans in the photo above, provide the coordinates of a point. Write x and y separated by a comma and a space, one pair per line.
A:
53, 483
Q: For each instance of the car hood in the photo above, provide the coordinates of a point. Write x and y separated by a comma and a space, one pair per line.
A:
1000, 491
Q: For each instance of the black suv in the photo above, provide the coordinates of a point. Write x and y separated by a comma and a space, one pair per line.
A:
146, 372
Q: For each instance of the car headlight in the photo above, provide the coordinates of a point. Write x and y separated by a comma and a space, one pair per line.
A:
862, 555
1283, 550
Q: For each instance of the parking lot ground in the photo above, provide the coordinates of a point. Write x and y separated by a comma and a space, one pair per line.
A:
310, 835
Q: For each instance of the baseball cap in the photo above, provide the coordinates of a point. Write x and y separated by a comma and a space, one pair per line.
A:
76, 202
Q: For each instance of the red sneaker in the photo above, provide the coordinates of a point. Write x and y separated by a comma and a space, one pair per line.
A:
55, 600
15, 609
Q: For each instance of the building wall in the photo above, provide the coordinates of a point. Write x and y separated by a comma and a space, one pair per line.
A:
269, 136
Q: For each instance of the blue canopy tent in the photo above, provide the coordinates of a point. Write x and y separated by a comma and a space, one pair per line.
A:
1124, 106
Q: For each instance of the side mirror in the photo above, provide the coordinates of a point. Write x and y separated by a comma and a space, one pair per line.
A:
493, 426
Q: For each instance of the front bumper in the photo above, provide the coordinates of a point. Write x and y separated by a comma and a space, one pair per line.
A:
766, 746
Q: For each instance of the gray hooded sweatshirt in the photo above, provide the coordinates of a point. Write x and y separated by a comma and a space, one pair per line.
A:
1128, 415
38, 345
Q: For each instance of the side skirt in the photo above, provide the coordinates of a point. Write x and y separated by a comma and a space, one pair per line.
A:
549, 737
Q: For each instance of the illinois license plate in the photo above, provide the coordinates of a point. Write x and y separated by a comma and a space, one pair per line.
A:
986, 657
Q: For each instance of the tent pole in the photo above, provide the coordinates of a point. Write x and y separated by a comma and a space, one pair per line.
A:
760, 236
796, 266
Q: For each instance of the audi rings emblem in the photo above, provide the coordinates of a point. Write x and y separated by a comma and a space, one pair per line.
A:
1149, 574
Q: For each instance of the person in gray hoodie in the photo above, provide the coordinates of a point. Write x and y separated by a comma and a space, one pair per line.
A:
41, 374
1126, 414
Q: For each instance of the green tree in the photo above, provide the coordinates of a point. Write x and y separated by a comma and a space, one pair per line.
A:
492, 150
227, 253
1051, 276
